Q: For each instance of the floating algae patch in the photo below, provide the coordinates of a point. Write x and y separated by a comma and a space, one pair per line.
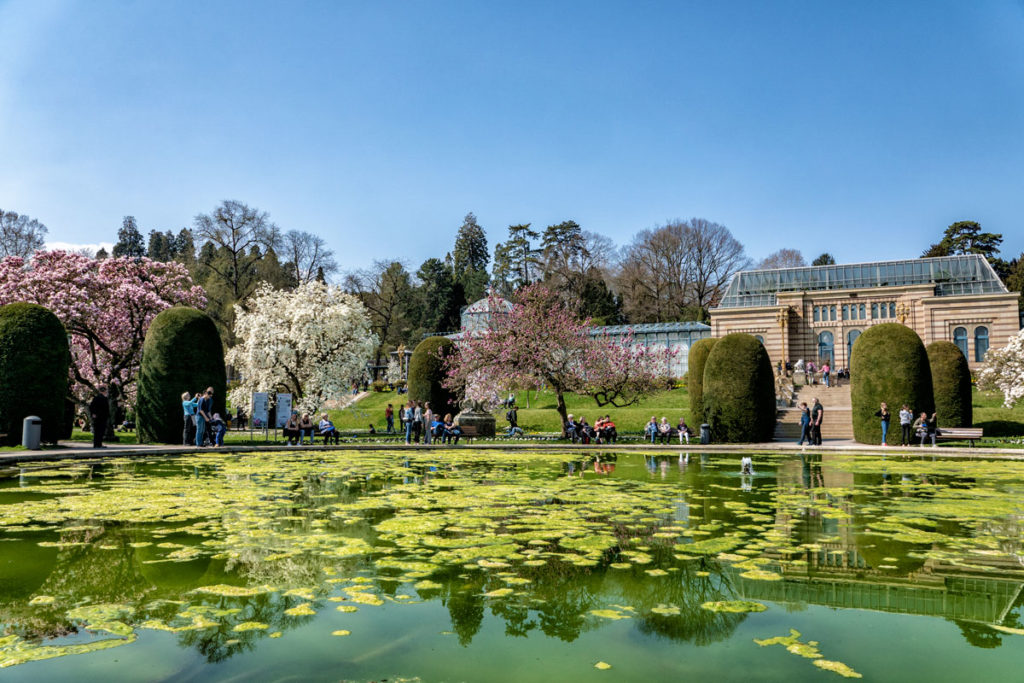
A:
14, 650
836, 667
250, 626
301, 610
609, 614
738, 606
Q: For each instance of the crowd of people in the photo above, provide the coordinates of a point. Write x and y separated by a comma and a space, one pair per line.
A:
923, 426
419, 421
830, 377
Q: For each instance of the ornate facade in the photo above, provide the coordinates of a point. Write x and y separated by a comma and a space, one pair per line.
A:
817, 312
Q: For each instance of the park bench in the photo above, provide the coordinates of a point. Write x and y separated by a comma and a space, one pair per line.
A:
970, 434
468, 433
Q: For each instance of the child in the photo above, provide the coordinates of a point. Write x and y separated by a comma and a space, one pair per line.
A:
219, 428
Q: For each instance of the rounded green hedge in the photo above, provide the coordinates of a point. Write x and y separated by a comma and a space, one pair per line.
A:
888, 363
182, 352
695, 378
739, 391
951, 384
34, 360
426, 374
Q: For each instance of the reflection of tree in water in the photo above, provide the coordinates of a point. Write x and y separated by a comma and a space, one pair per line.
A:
465, 605
688, 591
222, 642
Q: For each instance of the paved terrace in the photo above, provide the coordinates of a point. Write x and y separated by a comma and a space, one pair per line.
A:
77, 450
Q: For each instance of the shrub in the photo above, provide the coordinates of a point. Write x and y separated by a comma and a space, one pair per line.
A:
695, 378
888, 364
951, 384
34, 359
426, 374
739, 390
379, 386
182, 352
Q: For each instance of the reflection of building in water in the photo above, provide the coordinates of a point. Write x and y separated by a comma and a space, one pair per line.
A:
975, 599
678, 336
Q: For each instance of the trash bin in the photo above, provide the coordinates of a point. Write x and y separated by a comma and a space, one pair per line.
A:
705, 433
31, 432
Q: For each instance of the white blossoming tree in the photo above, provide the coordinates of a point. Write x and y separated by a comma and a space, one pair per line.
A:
309, 342
1004, 371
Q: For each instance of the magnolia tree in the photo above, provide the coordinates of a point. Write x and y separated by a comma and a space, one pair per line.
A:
1004, 371
309, 342
106, 307
540, 341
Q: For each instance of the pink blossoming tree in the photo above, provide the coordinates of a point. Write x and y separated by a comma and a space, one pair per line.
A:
541, 342
106, 307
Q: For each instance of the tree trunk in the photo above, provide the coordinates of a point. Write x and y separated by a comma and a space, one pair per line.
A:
562, 412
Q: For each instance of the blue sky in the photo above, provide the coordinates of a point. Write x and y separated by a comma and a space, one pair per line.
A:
859, 128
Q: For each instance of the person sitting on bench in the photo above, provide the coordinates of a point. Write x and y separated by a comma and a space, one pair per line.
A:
327, 430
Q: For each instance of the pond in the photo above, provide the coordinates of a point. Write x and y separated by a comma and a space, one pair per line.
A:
488, 566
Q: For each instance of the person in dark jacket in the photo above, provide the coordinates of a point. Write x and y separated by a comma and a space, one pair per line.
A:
99, 412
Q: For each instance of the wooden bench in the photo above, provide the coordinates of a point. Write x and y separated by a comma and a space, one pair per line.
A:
468, 433
970, 434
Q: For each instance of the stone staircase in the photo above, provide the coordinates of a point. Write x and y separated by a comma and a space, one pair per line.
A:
838, 421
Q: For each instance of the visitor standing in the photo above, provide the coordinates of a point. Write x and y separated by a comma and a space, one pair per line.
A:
188, 407
825, 370
99, 413
805, 425
428, 418
389, 417
204, 414
906, 425
883, 412
417, 421
407, 416
817, 417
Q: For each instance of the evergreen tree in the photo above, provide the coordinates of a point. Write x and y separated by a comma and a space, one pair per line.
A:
966, 237
161, 246
185, 249
102, 254
825, 259
440, 298
471, 257
129, 240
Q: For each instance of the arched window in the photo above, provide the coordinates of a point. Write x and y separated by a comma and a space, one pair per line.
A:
892, 309
980, 343
874, 311
851, 337
826, 347
960, 339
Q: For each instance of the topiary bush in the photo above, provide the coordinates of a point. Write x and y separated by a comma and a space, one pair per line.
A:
695, 378
888, 363
182, 352
426, 374
951, 384
739, 390
34, 360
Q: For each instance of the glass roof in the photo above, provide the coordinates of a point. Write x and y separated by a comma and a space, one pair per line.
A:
951, 276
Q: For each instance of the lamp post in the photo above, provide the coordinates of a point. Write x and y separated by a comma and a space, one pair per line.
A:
902, 312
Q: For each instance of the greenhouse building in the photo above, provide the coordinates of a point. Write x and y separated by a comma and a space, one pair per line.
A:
817, 312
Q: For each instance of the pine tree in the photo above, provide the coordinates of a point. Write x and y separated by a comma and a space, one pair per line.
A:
471, 258
129, 240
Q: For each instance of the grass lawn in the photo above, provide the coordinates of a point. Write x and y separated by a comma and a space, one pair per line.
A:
541, 416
